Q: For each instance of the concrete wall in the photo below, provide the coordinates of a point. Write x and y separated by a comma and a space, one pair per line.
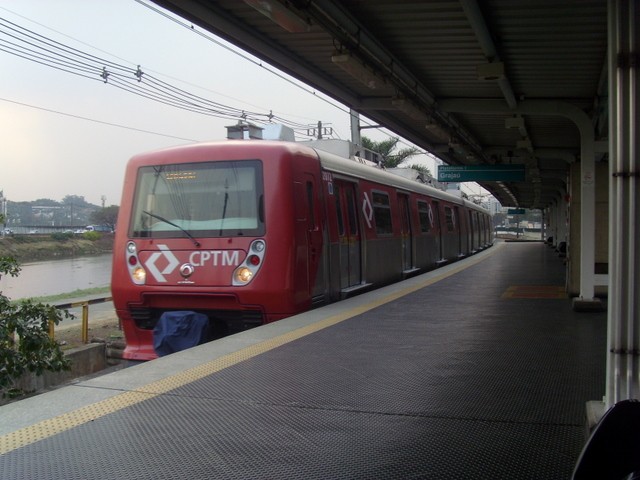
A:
85, 360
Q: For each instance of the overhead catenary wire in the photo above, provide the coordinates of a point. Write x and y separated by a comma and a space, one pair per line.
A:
191, 28
50, 53
29, 45
38, 48
115, 56
111, 124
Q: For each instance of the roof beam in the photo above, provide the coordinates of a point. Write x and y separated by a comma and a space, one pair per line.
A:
479, 26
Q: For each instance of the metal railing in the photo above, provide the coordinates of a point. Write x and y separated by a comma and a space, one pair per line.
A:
85, 315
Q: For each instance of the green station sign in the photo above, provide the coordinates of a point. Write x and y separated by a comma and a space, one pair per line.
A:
516, 211
481, 173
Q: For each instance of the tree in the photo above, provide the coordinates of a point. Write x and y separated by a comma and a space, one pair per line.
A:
46, 202
423, 169
77, 201
106, 216
25, 345
386, 147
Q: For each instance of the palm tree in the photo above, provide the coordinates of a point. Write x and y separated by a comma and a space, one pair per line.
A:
386, 147
423, 169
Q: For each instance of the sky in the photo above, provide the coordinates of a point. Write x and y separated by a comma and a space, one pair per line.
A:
64, 134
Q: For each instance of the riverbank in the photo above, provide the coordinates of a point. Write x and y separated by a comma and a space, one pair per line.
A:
33, 248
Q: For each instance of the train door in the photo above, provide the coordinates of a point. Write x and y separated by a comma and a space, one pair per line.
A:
458, 223
406, 235
349, 235
439, 234
470, 234
309, 270
485, 230
317, 277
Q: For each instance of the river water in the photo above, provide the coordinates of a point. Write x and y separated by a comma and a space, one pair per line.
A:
39, 279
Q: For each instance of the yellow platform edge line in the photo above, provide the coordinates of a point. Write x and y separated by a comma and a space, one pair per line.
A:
50, 427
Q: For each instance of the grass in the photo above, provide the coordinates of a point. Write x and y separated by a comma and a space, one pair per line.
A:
80, 293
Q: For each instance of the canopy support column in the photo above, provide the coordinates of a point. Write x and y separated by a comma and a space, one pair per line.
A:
623, 339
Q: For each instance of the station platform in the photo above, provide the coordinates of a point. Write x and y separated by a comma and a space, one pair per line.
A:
479, 370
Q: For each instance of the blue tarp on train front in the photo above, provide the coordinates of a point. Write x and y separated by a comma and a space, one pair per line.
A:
176, 331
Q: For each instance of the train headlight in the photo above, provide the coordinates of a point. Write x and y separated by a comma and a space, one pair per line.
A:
243, 275
139, 275
136, 271
258, 246
248, 269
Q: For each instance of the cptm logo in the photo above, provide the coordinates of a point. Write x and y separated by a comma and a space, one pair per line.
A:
205, 258
171, 265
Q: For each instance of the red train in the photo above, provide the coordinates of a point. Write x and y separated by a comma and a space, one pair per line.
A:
253, 231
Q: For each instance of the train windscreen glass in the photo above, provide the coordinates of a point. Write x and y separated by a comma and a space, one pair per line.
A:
210, 199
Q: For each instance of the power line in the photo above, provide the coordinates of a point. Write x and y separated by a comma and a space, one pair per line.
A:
57, 112
29, 45
193, 29
156, 72
32, 46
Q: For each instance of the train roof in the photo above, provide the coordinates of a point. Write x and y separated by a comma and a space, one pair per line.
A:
329, 161
353, 168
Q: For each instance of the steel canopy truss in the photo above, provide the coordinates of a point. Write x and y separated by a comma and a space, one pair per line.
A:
399, 63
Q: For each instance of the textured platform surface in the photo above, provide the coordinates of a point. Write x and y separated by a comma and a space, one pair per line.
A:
481, 373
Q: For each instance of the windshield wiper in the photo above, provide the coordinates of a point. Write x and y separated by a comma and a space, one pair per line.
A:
224, 211
162, 219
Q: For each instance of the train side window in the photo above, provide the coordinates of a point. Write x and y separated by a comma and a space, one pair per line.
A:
351, 213
423, 214
382, 213
450, 219
299, 207
436, 216
312, 207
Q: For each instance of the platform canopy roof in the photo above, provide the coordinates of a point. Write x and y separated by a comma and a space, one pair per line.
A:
491, 82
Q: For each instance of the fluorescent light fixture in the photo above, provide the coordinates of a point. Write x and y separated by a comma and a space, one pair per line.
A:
490, 71
436, 129
431, 124
514, 122
356, 69
280, 15
524, 144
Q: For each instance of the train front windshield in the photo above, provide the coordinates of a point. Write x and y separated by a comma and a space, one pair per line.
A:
210, 199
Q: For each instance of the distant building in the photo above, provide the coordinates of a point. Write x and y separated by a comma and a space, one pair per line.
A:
44, 211
493, 206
